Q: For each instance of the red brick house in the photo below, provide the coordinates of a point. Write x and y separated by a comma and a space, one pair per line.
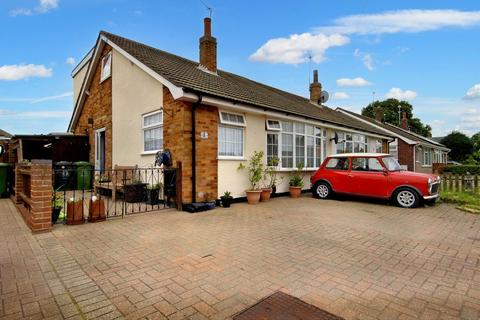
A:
133, 100
413, 151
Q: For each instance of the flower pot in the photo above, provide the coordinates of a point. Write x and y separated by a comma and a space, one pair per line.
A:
295, 192
96, 211
75, 212
55, 214
226, 202
265, 195
153, 196
253, 196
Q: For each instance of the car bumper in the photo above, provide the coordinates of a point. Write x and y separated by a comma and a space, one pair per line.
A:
433, 196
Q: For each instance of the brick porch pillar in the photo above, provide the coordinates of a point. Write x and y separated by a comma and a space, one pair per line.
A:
41, 195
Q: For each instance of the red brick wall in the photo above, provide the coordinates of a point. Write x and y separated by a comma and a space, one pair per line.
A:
98, 105
34, 200
177, 137
405, 154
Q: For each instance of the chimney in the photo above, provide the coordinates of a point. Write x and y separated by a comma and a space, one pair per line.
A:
315, 89
404, 123
379, 114
208, 47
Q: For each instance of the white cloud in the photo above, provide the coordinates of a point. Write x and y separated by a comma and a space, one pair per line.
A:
296, 48
399, 94
365, 57
355, 82
473, 92
70, 61
409, 21
37, 100
24, 71
340, 96
43, 6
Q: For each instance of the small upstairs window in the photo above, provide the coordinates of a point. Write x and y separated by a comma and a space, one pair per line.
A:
106, 71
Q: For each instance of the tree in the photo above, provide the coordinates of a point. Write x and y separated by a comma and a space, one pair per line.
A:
476, 146
461, 146
392, 116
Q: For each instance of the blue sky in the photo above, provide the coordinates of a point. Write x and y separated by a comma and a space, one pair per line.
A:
424, 51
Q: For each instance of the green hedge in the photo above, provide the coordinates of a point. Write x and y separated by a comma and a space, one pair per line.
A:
472, 169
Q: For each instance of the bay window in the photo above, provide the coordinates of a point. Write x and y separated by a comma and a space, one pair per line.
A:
349, 142
296, 143
230, 135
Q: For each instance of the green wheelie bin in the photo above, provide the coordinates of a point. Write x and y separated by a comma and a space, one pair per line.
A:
84, 175
3, 179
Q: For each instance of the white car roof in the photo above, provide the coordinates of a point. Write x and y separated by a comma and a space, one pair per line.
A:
359, 154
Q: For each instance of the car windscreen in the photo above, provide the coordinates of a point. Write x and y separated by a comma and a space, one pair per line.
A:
391, 164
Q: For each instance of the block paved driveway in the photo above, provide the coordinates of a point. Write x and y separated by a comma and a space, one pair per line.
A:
355, 259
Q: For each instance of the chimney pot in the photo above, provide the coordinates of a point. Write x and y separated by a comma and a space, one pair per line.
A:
315, 89
207, 22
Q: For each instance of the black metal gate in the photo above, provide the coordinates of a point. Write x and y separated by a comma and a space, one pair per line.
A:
81, 192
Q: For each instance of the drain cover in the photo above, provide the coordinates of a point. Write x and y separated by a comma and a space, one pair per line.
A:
281, 306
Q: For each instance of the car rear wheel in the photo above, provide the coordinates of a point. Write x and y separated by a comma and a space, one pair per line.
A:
406, 198
322, 190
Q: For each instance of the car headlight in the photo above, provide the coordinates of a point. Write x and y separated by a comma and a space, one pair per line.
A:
430, 184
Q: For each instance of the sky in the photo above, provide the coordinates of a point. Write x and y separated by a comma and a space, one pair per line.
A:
425, 52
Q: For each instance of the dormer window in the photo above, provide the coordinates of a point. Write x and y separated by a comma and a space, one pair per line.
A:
106, 71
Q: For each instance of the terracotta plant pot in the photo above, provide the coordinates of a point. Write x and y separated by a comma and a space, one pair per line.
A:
75, 212
253, 196
265, 196
295, 192
96, 211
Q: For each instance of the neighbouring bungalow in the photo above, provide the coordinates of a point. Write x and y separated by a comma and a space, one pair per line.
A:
413, 151
133, 100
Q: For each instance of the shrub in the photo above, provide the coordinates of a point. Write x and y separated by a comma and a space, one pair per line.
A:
472, 169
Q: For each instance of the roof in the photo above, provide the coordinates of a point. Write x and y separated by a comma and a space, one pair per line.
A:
4, 134
190, 76
359, 154
396, 130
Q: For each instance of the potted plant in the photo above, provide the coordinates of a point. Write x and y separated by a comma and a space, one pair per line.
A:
226, 199
57, 205
271, 179
96, 210
75, 211
255, 174
296, 182
153, 193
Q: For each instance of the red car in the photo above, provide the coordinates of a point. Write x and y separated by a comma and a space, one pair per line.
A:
373, 175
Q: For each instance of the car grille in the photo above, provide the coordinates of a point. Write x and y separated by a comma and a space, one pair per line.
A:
435, 188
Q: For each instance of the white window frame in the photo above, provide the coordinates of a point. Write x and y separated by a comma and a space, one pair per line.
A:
294, 133
104, 76
430, 153
229, 124
344, 141
152, 126
223, 121
269, 128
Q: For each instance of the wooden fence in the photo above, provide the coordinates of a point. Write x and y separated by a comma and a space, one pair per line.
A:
458, 182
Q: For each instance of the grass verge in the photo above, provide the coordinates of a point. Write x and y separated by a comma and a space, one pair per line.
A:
467, 201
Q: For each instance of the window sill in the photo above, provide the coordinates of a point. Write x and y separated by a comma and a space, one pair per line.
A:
426, 166
232, 158
148, 153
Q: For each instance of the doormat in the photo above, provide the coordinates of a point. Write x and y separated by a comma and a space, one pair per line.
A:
281, 306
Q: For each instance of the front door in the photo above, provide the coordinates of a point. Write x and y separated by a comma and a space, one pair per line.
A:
100, 149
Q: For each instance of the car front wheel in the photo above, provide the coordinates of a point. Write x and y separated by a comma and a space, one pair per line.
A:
406, 198
322, 190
